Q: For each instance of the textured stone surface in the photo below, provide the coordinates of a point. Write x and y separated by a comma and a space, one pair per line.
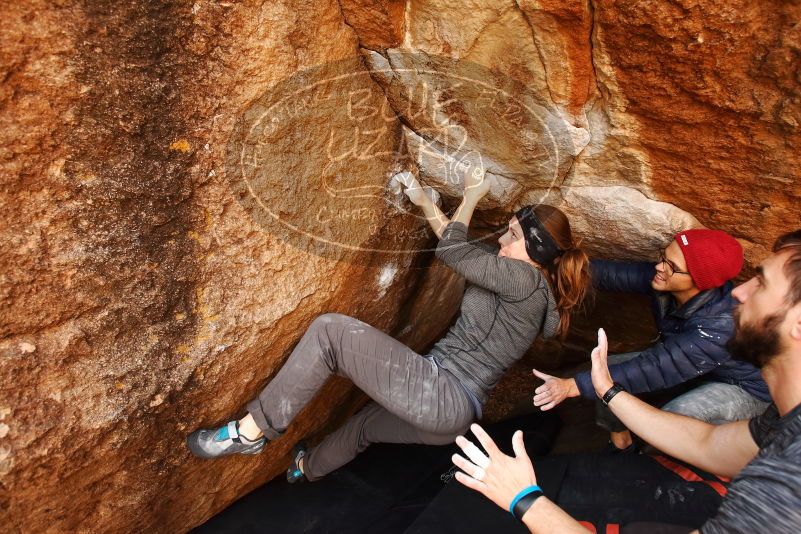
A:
146, 288
620, 222
719, 119
140, 299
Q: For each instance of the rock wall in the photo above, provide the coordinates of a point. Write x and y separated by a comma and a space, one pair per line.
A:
187, 185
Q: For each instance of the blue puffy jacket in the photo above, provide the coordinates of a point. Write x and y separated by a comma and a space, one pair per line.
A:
692, 338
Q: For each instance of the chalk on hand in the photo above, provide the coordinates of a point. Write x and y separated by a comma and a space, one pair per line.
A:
476, 456
409, 181
406, 178
402, 179
433, 194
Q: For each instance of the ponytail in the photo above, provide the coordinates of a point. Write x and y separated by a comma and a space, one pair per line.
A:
570, 280
569, 274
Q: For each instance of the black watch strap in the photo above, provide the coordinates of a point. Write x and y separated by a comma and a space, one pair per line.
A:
614, 390
522, 506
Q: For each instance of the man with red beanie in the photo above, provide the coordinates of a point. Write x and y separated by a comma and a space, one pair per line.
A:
693, 307
712, 257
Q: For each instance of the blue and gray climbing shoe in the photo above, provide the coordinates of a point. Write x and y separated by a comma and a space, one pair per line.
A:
213, 443
294, 474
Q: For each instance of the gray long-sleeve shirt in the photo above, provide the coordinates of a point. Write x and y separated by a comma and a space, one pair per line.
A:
506, 304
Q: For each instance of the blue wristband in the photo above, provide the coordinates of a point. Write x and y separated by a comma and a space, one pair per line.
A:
525, 491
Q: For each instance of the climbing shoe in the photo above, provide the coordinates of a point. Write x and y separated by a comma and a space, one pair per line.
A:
213, 443
294, 474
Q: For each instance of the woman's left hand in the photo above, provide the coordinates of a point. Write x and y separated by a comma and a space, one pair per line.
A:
553, 391
498, 477
476, 185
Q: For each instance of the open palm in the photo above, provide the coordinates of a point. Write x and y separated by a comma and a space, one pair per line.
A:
601, 379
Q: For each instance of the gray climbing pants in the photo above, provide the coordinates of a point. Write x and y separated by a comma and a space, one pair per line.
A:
414, 401
712, 402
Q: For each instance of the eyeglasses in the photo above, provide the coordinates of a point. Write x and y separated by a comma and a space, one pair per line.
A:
669, 266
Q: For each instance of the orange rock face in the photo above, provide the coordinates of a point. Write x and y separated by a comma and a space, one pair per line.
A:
187, 186
141, 296
715, 90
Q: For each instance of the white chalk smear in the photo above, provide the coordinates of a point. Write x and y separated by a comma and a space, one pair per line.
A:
385, 278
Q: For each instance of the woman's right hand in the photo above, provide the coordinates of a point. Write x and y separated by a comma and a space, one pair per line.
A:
418, 194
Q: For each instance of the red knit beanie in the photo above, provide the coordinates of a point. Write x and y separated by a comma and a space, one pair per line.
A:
712, 256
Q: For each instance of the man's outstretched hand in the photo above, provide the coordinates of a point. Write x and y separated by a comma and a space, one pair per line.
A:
498, 477
553, 391
556, 389
601, 379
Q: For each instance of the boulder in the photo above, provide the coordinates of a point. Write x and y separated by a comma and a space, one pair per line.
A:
186, 186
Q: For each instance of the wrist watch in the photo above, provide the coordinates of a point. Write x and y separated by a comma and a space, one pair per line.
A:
611, 392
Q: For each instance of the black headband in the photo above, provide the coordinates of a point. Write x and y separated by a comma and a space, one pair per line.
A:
540, 246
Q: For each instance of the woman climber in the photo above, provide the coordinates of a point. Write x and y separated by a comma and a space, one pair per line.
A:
529, 287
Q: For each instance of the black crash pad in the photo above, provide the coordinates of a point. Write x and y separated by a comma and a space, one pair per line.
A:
605, 491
